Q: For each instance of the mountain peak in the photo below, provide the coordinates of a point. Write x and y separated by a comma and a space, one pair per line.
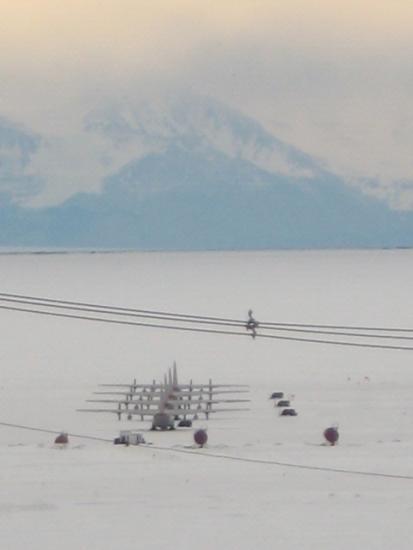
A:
198, 122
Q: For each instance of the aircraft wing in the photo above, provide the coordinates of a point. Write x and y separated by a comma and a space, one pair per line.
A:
167, 396
128, 412
224, 410
147, 394
213, 386
180, 386
157, 402
153, 412
125, 401
131, 385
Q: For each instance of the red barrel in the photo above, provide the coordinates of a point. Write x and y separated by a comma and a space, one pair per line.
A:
62, 439
200, 437
331, 435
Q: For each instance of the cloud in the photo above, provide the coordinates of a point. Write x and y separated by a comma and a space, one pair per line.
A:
333, 79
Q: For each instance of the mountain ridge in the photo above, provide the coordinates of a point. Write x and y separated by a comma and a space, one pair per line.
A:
209, 178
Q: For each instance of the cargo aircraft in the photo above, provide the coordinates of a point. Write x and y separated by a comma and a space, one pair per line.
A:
169, 401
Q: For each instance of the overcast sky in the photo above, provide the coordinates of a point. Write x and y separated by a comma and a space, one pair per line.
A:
334, 78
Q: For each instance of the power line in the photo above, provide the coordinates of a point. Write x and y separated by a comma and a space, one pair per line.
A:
335, 333
232, 458
125, 309
335, 327
77, 306
54, 432
122, 312
286, 464
208, 331
185, 316
118, 322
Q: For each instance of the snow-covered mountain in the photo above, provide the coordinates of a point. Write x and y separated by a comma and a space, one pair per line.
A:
197, 122
195, 174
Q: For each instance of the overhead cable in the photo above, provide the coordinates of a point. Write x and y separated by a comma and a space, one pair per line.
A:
223, 320
207, 454
204, 330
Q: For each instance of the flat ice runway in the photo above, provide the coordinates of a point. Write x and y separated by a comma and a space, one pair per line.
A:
247, 488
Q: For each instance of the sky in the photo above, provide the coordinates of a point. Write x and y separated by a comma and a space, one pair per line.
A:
333, 78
